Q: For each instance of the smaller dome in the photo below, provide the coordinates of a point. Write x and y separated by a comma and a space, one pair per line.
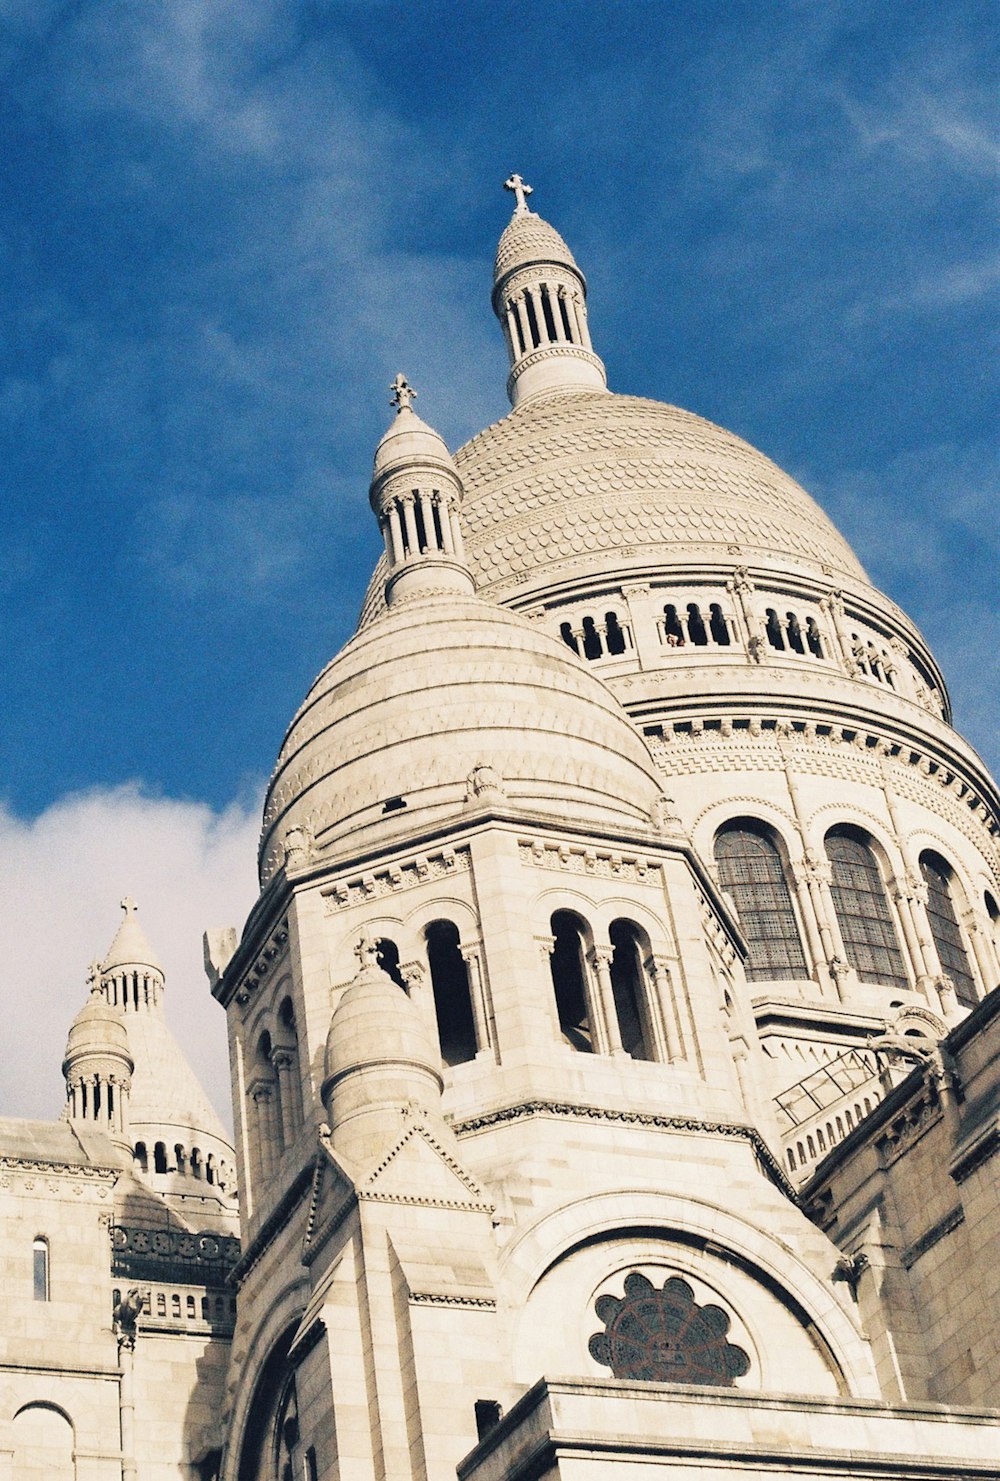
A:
97, 1029
375, 1025
131, 948
409, 440
526, 239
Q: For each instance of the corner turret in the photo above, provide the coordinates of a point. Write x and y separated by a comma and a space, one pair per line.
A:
416, 493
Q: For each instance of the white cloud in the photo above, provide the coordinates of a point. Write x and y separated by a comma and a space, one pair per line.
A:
64, 874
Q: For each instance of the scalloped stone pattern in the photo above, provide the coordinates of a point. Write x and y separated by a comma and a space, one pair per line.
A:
528, 238
579, 475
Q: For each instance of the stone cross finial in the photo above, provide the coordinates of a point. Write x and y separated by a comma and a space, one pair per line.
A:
128, 905
366, 952
521, 192
402, 393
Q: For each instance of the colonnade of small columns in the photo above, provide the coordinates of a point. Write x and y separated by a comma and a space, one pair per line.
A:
420, 521
275, 1092
758, 622
132, 990
668, 1024
545, 312
100, 1099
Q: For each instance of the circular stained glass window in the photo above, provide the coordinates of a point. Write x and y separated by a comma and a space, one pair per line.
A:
664, 1336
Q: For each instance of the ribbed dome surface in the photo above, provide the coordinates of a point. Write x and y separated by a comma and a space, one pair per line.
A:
422, 697
570, 480
97, 1029
528, 238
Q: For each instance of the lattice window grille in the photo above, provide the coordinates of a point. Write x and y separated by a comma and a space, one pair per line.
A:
750, 868
863, 913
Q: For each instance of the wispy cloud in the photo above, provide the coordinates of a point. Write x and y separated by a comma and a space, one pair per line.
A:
63, 876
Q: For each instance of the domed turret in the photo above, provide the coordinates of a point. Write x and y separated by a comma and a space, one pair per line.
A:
98, 1066
380, 1060
540, 298
415, 493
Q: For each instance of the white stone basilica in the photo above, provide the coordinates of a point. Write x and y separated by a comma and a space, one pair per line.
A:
615, 1061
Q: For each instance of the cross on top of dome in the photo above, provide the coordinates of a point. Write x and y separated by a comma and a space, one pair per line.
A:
403, 393
521, 193
129, 905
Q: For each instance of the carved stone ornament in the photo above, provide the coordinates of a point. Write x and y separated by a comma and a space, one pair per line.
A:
484, 784
664, 1336
125, 1317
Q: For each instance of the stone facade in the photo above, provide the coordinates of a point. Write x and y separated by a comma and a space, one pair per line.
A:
117, 1237
613, 878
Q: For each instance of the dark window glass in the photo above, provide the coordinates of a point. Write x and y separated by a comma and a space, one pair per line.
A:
863, 913
452, 1000
628, 985
945, 929
40, 1269
569, 982
750, 868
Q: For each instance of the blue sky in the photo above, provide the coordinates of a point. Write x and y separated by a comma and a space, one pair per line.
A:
224, 226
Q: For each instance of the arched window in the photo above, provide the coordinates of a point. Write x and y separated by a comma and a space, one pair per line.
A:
718, 626
452, 999
179, 1157
614, 634
195, 1162
774, 635
813, 638
566, 633
140, 1157
569, 981
863, 911
696, 627
673, 633
945, 928
751, 869
159, 1157
40, 1268
387, 957
592, 645
794, 632
630, 989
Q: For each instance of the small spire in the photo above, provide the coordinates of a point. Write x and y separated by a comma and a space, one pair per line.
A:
403, 394
521, 193
94, 977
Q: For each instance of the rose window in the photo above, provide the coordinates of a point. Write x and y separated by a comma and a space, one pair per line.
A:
664, 1336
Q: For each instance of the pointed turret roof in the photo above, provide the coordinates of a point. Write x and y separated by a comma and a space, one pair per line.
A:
131, 948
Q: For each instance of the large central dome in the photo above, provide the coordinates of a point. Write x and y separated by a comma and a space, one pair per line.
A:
578, 477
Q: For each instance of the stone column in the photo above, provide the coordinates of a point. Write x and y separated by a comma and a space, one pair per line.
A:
667, 1009
817, 951
546, 946
286, 1065
410, 525
604, 1012
522, 321
481, 1017
265, 1141
444, 515
397, 552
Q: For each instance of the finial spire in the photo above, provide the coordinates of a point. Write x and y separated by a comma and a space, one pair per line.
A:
129, 906
521, 193
94, 977
403, 393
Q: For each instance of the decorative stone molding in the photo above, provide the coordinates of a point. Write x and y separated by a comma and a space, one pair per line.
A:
575, 859
565, 1110
951, 1220
395, 877
263, 964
